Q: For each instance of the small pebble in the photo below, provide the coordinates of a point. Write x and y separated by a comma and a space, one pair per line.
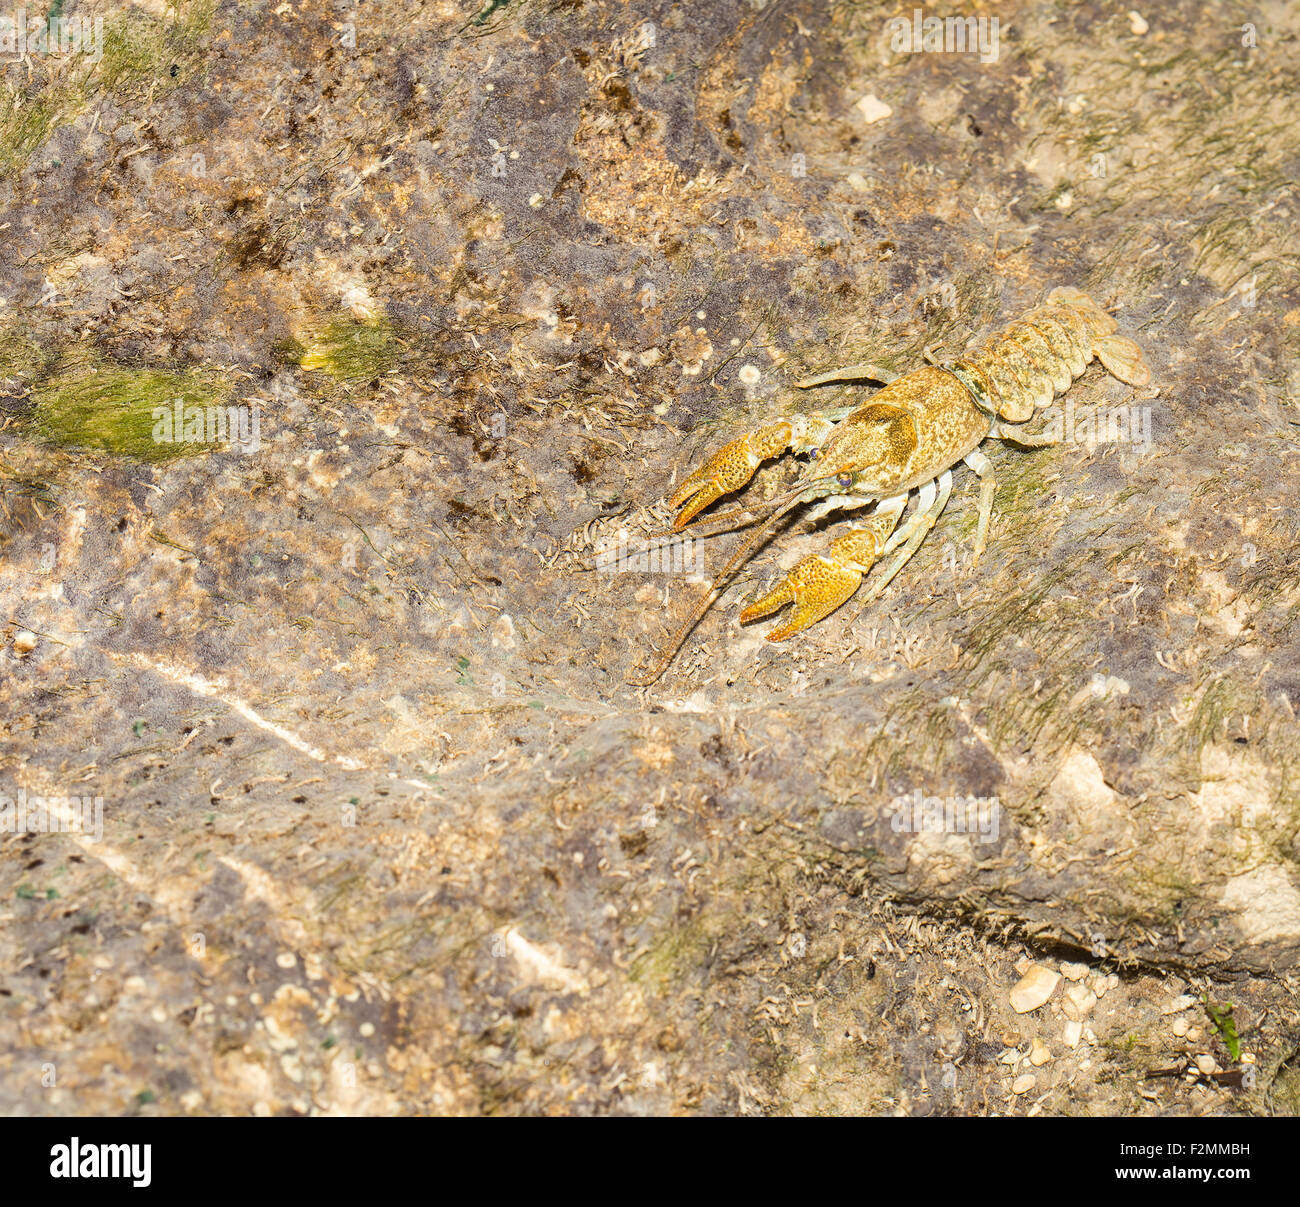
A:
1179, 1003
873, 109
1181, 1027
286, 959
1207, 1063
1074, 972
1072, 1033
1039, 1053
1024, 1083
1033, 989
749, 375
24, 641
1137, 23
1078, 1001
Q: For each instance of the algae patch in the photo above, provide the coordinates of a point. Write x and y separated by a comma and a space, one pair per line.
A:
125, 411
136, 51
352, 350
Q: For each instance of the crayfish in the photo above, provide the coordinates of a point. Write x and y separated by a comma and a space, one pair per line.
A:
906, 437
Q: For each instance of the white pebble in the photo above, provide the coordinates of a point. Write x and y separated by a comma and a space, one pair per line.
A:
1033, 989
24, 641
1078, 1001
873, 109
1137, 23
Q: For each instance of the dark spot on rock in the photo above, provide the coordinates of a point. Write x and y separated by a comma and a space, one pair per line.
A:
634, 844
569, 177
260, 244
619, 95
668, 1040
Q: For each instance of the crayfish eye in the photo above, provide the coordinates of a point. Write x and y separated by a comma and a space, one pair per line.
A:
844, 481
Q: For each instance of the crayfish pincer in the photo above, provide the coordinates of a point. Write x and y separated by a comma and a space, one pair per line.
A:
906, 437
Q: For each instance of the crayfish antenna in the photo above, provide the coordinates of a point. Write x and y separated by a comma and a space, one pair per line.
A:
742, 555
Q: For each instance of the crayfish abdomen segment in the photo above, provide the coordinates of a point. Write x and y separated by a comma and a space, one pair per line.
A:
1027, 365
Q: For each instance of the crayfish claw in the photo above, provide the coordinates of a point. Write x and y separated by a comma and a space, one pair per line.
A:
730, 468
821, 583
816, 587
